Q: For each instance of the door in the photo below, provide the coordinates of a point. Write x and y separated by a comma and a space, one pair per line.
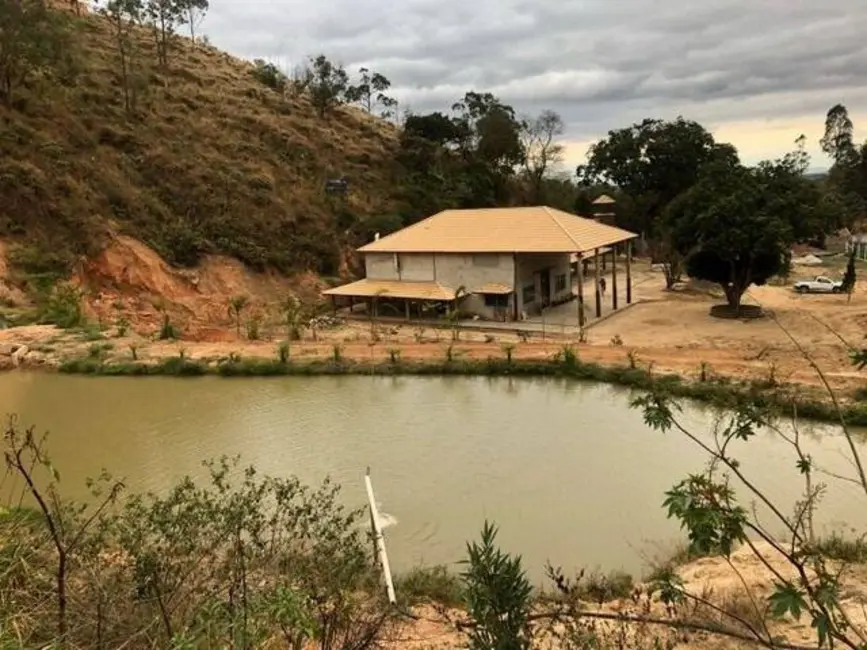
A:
545, 287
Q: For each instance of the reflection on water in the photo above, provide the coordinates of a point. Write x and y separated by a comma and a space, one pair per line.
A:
568, 471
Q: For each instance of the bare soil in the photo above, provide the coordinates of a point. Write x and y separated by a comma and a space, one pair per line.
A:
738, 586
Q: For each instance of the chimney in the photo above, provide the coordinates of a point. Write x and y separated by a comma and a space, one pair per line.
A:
376, 237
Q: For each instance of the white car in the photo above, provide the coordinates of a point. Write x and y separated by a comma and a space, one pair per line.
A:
819, 284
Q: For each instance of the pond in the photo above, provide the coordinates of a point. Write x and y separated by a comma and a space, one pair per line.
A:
566, 469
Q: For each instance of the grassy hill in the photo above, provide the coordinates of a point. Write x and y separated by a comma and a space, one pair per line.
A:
211, 160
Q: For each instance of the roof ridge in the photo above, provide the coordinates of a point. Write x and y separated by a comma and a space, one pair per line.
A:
405, 228
556, 220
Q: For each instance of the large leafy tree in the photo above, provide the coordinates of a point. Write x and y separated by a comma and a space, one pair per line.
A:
848, 174
740, 222
654, 162
542, 151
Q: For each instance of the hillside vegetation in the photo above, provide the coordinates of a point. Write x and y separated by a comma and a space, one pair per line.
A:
209, 158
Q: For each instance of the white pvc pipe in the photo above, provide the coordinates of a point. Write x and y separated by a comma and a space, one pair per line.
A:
379, 539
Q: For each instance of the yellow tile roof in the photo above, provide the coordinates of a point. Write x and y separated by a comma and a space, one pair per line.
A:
494, 288
501, 230
368, 288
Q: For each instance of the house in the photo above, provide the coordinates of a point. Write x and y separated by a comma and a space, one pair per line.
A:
859, 243
497, 263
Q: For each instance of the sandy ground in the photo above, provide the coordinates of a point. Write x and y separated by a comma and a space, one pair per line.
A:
738, 586
670, 330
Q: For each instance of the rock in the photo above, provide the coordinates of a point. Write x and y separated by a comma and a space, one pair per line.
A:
8, 349
19, 354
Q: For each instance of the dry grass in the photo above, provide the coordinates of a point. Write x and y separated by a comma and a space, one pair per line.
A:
211, 161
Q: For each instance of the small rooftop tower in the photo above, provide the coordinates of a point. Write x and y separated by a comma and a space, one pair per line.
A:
603, 210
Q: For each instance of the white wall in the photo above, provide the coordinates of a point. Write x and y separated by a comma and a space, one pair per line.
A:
380, 266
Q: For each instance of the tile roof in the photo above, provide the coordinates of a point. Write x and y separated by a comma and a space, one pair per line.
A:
494, 288
501, 230
393, 289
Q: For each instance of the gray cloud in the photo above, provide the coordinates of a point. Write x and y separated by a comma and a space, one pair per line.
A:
601, 64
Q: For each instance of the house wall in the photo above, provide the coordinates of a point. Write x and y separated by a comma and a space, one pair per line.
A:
528, 268
450, 270
473, 271
380, 266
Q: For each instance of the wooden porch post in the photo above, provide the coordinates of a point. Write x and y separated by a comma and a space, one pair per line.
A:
406, 307
629, 272
580, 291
598, 292
614, 276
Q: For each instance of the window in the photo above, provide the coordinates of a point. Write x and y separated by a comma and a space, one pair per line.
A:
560, 283
497, 300
529, 293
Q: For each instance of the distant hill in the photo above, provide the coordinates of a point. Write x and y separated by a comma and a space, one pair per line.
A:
211, 160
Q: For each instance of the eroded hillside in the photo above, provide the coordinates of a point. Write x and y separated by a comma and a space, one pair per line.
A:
210, 160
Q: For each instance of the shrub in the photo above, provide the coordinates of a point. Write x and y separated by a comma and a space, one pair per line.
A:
429, 585
283, 352
63, 307
498, 596
168, 332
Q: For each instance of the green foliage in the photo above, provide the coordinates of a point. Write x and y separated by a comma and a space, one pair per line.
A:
283, 352
168, 332
62, 307
508, 350
849, 277
370, 92
237, 304
741, 222
498, 596
328, 85
235, 561
394, 355
253, 326
429, 585
269, 75
33, 38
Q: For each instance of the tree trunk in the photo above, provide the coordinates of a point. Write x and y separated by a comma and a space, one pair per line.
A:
733, 296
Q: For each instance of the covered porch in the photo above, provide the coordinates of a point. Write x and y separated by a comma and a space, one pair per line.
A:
596, 275
394, 299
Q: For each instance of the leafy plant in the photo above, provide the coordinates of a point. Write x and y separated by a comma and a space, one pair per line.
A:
508, 349
498, 596
283, 352
237, 304
63, 307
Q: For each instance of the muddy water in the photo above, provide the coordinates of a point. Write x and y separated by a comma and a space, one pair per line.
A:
567, 470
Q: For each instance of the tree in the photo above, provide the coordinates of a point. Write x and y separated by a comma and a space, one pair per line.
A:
654, 162
32, 37
124, 16
328, 85
541, 151
370, 91
849, 278
165, 16
740, 226
848, 174
194, 14
237, 304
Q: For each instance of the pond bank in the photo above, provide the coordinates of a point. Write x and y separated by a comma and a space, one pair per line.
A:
715, 390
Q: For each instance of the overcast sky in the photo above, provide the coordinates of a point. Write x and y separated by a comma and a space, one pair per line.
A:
756, 72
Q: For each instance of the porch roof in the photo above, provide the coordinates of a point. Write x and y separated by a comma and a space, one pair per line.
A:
494, 288
368, 288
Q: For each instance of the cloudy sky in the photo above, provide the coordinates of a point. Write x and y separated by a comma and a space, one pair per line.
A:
756, 72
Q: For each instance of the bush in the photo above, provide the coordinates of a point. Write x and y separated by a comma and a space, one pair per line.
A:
269, 75
236, 561
498, 596
429, 585
62, 307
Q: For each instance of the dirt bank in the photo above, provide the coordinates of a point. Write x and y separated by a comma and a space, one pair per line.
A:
739, 586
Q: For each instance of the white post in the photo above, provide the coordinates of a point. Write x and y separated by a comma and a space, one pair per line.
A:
379, 540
